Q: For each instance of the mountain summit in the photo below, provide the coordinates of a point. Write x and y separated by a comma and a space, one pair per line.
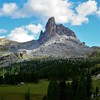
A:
51, 26
52, 29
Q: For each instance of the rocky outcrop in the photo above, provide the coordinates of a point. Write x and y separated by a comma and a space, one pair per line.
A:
5, 44
11, 58
60, 41
52, 29
64, 30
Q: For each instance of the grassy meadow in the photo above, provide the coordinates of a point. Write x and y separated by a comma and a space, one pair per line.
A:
95, 83
37, 90
12, 92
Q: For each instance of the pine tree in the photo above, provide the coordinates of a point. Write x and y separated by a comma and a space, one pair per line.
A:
89, 85
81, 89
53, 90
44, 98
27, 95
69, 94
97, 90
62, 85
74, 86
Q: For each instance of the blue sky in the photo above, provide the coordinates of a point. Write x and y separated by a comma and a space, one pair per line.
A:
22, 20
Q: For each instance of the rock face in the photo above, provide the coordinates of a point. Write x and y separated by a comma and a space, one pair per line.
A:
63, 30
60, 42
51, 26
52, 30
5, 44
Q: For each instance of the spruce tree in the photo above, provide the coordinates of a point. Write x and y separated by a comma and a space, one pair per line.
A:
27, 95
62, 85
74, 87
97, 90
81, 93
69, 94
44, 98
89, 85
53, 90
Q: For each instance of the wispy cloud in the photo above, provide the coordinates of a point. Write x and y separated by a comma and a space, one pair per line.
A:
8, 9
3, 31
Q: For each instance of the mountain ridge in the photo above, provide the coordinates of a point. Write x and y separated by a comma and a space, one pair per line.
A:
57, 41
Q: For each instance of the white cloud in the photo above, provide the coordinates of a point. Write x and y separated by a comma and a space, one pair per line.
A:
63, 10
83, 11
3, 30
33, 28
87, 8
58, 8
8, 9
25, 33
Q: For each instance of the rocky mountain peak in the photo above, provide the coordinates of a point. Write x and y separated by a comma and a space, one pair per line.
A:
52, 29
51, 26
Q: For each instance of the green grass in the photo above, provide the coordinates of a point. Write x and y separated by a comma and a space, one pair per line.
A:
95, 83
37, 91
97, 98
